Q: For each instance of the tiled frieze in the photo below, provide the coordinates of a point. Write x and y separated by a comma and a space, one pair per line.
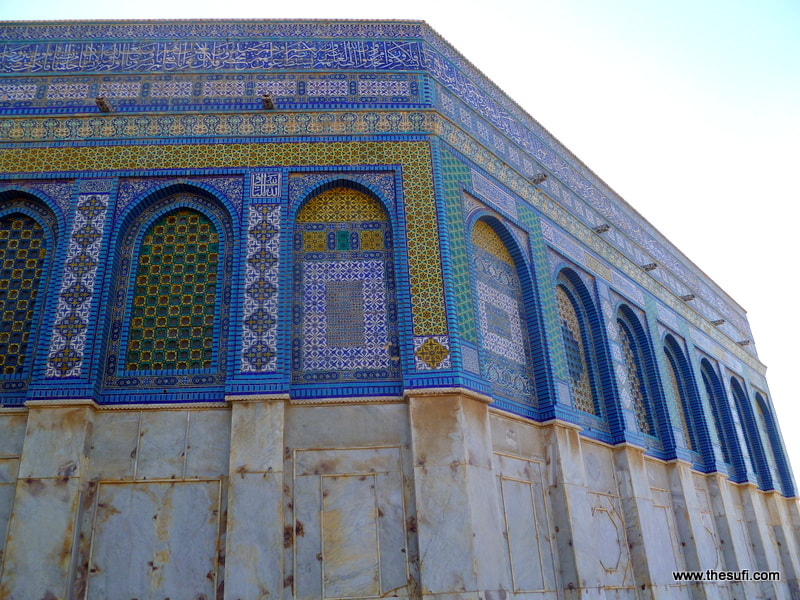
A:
260, 320
585, 196
62, 94
491, 192
185, 55
578, 231
238, 124
211, 29
68, 341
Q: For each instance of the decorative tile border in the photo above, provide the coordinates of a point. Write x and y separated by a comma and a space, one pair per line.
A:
432, 352
178, 29
65, 358
236, 124
192, 91
260, 320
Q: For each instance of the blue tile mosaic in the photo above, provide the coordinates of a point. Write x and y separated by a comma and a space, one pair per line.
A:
261, 282
68, 341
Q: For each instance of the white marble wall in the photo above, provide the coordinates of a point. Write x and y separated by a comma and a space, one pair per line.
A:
438, 496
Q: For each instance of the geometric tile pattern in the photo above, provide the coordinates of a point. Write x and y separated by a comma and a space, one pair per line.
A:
344, 316
171, 296
342, 205
260, 321
635, 378
302, 184
22, 257
577, 364
414, 157
77, 287
506, 358
432, 352
487, 239
445, 66
172, 315
133, 189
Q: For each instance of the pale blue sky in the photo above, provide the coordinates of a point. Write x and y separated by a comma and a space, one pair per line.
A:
690, 109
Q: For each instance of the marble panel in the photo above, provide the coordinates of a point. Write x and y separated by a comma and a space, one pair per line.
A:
475, 429
438, 426
505, 434
208, 447
349, 524
524, 539
445, 541
40, 538
307, 534
528, 531
612, 541
256, 437
665, 555
6, 502
599, 462
8, 470
115, 442
254, 536
58, 436
346, 426
155, 540
486, 523
709, 548
350, 552
394, 568
361, 460
12, 433
162, 445
657, 474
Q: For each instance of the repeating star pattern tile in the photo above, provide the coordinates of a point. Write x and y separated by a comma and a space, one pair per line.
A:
22, 258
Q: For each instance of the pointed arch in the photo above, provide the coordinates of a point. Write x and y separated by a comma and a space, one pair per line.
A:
28, 237
500, 283
639, 369
581, 335
684, 390
775, 455
171, 294
344, 318
723, 419
755, 450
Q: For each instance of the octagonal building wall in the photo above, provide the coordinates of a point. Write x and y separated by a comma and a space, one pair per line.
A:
312, 309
